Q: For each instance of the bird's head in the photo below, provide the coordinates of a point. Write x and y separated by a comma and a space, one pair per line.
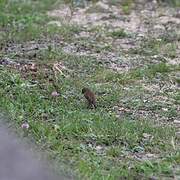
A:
84, 90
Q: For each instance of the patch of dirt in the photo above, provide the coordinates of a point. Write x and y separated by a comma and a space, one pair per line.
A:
146, 19
37, 73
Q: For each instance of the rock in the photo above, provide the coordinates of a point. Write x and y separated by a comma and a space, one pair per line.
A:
166, 19
177, 121
25, 125
146, 135
102, 5
99, 7
178, 134
174, 61
149, 155
55, 94
165, 109
159, 27
56, 23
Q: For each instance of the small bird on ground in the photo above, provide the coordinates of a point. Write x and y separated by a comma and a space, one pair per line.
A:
90, 97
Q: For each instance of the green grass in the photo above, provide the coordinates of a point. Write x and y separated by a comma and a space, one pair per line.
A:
153, 47
95, 144
120, 33
126, 5
150, 71
174, 3
79, 127
21, 21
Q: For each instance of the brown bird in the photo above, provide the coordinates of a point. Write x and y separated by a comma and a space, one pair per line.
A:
89, 95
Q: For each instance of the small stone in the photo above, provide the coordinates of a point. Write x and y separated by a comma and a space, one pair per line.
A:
33, 67
160, 27
146, 135
176, 122
102, 5
149, 155
165, 109
99, 149
178, 134
25, 125
56, 127
56, 23
54, 94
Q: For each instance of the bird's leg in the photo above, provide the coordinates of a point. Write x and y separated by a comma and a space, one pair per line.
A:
94, 106
88, 104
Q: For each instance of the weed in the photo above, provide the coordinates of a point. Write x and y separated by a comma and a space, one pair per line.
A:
119, 34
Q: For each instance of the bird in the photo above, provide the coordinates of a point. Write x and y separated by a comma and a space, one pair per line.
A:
90, 97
